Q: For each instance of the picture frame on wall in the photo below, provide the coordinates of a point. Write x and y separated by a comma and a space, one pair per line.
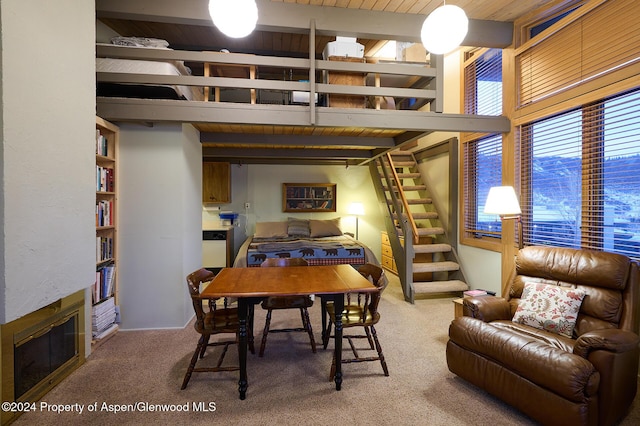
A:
308, 197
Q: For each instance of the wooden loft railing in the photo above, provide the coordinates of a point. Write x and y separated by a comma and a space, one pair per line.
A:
421, 82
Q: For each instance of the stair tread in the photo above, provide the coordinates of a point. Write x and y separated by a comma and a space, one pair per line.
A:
409, 188
419, 215
404, 163
435, 267
419, 200
432, 248
427, 231
426, 287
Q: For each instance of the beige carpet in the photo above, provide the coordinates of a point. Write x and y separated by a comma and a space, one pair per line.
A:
290, 384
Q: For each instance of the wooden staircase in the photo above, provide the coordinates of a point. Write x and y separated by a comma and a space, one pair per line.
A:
426, 260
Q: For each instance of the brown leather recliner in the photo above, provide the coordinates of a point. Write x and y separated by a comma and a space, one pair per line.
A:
589, 379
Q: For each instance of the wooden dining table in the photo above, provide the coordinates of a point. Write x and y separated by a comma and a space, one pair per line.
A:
251, 285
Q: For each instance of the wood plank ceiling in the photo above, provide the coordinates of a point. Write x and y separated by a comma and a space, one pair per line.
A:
203, 36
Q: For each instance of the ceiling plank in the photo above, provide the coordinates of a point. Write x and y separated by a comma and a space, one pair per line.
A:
296, 18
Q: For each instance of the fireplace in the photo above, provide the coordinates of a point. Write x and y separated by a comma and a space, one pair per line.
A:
40, 349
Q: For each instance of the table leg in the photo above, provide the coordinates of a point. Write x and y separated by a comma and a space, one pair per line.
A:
338, 303
243, 312
323, 312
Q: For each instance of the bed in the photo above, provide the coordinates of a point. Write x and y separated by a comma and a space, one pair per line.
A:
134, 66
319, 242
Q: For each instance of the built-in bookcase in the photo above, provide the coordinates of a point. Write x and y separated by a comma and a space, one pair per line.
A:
105, 288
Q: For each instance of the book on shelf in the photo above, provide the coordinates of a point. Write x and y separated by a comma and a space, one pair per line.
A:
104, 248
475, 293
103, 287
101, 144
103, 316
111, 329
104, 179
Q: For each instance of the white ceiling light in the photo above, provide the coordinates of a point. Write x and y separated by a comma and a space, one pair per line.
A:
234, 18
444, 29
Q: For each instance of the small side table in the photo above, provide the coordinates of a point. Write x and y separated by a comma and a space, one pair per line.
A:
457, 307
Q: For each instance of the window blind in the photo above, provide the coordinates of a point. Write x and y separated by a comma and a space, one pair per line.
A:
483, 84
580, 185
483, 169
584, 49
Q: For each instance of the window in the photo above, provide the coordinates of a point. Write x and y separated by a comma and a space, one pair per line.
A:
483, 84
483, 169
580, 185
482, 154
540, 27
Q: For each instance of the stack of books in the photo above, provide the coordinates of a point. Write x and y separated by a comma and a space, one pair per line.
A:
103, 318
478, 292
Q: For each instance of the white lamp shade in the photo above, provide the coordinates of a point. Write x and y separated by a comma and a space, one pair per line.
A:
502, 200
356, 209
444, 29
234, 18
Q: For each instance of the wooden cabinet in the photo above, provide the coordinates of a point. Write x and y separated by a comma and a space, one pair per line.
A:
387, 261
216, 183
346, 79
105, 289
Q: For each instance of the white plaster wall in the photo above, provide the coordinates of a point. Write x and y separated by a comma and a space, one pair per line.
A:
160, 223
48, 134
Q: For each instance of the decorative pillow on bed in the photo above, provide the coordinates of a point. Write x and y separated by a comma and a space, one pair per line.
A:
271, 229
549, 307
325, 228
298, 227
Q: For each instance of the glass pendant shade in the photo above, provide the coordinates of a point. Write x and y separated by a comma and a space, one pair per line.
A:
444, 29
234, 18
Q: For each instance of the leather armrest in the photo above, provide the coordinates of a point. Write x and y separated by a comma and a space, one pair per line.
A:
612, 340
486, 308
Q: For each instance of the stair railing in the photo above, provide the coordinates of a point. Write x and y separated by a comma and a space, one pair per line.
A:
405, 203
402, 253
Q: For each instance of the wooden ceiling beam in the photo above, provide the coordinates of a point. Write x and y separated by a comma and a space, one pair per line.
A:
150, 110
296, 140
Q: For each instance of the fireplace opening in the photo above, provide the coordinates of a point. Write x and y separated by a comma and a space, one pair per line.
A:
40, 349
40, 355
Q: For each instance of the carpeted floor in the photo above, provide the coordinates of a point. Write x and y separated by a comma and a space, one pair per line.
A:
290, 385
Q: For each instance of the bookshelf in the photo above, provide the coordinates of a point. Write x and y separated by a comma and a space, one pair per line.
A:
308, 197
105, 289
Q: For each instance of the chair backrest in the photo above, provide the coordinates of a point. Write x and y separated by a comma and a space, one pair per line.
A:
194, 281
375, 274
611, 282
284, 261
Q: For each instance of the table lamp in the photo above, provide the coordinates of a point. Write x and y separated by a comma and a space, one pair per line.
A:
356, 209
502, 201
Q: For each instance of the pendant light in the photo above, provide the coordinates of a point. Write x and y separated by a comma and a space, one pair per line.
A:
444, 29
234, 18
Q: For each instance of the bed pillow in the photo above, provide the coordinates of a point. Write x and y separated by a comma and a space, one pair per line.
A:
298, 227
271, 230
549, 307
325, 228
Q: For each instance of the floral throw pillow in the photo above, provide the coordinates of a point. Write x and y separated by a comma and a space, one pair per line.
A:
549, 307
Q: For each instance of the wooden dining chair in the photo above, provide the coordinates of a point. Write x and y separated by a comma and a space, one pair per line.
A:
287, 302
360, 311
212, 320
